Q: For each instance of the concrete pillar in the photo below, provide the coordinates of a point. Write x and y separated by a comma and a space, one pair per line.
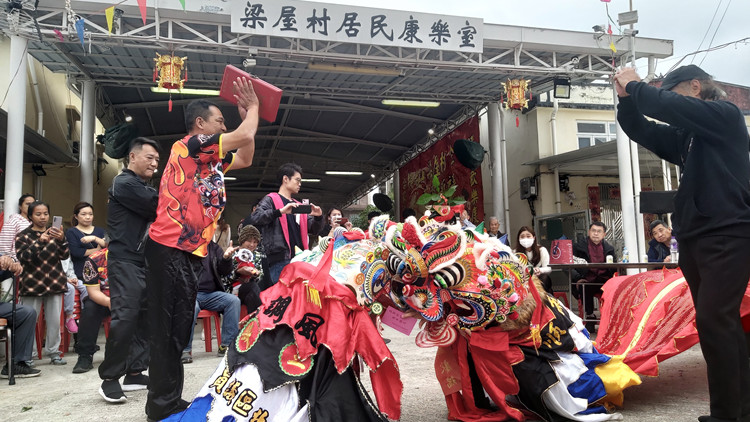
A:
626, 192
493, 124
87, 156
640, 235
16, 125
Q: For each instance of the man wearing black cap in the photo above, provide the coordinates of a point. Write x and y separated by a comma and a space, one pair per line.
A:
707, 137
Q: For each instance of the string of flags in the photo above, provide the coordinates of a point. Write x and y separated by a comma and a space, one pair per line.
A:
111, 13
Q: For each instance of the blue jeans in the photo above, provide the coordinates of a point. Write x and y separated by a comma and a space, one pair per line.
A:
274, 270
225, 303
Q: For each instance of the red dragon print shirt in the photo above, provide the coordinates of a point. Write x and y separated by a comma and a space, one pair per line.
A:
191, 195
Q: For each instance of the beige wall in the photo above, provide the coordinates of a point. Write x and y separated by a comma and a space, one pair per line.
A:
61, 187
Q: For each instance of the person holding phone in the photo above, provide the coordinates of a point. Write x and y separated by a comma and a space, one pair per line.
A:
84, 238
41, 251
282, 226
334, 219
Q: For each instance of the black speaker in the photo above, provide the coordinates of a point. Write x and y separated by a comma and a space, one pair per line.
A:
657, 202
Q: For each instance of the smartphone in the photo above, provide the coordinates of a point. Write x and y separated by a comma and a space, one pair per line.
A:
302, 209
57, 222
343, 221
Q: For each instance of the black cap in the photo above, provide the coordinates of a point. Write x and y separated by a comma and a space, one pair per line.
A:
683, 73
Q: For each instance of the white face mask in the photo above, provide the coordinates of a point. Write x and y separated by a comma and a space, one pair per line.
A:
526, 242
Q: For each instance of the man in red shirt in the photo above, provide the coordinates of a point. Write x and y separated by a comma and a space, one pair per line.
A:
191, 200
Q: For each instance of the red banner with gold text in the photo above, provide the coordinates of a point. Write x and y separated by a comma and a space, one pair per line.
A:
415, 178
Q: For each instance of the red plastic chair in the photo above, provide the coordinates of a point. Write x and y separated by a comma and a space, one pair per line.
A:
65, 341
205, 316
563, 297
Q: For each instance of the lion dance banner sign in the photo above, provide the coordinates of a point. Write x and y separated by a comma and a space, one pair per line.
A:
415, 178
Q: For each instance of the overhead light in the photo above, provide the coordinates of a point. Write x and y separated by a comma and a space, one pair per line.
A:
431, 131
128, 118
311, 180
38, 170
411, 103
362, 70
229, 178
372, 175
187, 91
344, 173
562, 88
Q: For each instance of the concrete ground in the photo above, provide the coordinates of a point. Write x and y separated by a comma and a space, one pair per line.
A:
678, 394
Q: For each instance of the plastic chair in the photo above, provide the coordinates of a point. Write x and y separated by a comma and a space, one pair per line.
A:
205, 316
65, 341
563, 297
5, 330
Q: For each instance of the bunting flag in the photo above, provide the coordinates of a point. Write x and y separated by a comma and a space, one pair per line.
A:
110, 13
142, 6
182, 2
59, 35
80, 23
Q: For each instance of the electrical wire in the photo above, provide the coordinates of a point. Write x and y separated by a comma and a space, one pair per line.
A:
15, 75
718, 6
718, 47
716, 31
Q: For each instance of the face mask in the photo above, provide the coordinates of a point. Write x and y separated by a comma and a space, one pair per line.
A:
526, 242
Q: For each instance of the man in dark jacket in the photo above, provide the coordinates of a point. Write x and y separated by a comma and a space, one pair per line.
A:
132, 206
212, 297
659, 245
594, 249
708, 138
281, 227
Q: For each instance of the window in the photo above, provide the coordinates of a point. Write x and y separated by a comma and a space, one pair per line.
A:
595, 133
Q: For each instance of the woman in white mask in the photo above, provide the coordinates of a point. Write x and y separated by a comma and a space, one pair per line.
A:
537, 254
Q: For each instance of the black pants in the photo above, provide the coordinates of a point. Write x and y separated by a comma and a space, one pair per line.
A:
588, 290
92, 315
717, 270
24, 324
249, 294
128, 331
172, 290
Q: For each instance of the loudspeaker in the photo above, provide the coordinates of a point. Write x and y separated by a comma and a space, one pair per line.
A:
469, 153
657, 202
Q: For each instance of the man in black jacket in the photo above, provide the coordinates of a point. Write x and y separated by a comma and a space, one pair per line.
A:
132, 206
594, 249
708, 138
212, 297
281, 227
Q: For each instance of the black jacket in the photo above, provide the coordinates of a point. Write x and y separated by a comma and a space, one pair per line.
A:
218, 266
581, 250
266, 219
131, 208
657, 251
710, 143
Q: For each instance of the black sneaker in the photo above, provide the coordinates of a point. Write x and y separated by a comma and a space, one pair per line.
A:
20, 370
84, 364
112, 392
222, 350
187, 357
135, 382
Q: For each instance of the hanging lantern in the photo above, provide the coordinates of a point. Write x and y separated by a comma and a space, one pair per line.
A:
515, 93
169, 70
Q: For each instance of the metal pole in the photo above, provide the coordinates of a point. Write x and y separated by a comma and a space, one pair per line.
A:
88, 114
493, 124
504, 151
553, 127
16, 124
396, 196
626, 189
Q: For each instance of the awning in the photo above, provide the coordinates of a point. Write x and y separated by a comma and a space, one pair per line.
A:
37, 149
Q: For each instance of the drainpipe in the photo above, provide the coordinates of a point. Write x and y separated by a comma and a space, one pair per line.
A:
504, 152
37, 98
553, 127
